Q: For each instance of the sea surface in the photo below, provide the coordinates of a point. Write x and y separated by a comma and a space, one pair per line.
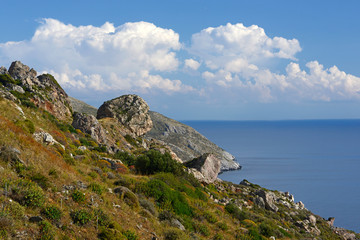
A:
316, 160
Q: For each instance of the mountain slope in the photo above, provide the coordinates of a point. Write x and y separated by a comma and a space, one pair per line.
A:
186, 142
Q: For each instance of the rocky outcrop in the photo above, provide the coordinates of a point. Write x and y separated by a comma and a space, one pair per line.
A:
90, 125
130, 110
207, 167
82, 107
186, 142
43, 90
267, 199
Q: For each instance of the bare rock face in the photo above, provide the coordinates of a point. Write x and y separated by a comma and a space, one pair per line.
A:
129, 110
90, 125
186, 142
269, 199
205, 168
43, 90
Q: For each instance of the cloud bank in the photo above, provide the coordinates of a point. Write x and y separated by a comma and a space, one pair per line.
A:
142, 57
103, 58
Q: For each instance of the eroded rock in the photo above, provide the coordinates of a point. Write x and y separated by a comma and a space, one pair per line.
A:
208, 165
90, 125
130, 110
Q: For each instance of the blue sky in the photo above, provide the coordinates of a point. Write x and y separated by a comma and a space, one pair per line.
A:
190, 60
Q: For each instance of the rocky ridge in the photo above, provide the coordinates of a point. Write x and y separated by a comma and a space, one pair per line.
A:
186, 142
23, 84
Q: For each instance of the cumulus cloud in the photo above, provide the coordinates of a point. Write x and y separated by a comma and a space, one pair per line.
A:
235, 57
192, 64
103, 58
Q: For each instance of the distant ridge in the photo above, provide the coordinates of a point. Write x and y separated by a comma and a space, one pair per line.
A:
82, 107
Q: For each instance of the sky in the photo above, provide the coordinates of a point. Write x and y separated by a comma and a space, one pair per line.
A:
196, 60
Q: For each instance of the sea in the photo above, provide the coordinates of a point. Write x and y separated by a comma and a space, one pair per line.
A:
318, 161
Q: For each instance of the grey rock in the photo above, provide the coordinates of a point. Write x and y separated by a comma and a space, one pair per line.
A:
312, 219
259, 201
22, 72
331, 221
130, 110
44, 137
111, 175
3, 70
176, 223
90, 125
186, 142
269, 199
208, 165
17, 88
10, 155
35, 219
245, 183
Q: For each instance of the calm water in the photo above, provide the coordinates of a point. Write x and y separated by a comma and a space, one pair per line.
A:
316, 160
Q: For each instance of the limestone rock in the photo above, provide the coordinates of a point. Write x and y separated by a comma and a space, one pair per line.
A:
90, 125
186, 142
208, 165
22, 72
269, 199
3, 70
130, 110
44, 91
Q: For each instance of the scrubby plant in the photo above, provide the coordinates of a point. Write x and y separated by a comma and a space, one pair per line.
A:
223, 226
125, 157
52, 212
46, 231
130, 235
210, 217
102, 218
236, 212
96, 188
174, 234
41, 180
153, 161
27, 193
81, 217
78, 196
111, 234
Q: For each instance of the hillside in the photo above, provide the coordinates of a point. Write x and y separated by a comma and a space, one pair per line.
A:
102, 181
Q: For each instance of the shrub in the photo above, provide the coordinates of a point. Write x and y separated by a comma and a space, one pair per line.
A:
41, 180
203, 230
81, 217
78, 196
111, 234
130, 235
27, 193
218, 236
131, 140
223, 226
125, 157
148, 205
102, 218
96, 188
153, 161
174, 234
210, 217
236, 212
163, 194
30, 126
100, 149
52, 213
46, 231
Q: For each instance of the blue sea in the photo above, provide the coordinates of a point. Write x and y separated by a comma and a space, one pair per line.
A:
316, 160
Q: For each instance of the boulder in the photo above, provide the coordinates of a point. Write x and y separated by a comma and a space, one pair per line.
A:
90, 125
130, 110
22, 72
208, 165
3, 70
269, 199
11, 155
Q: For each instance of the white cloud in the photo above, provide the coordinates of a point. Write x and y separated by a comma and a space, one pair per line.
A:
235, 57
192, 64
102, 58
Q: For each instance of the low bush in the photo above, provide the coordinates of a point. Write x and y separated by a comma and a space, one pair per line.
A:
236, 212
130, 235
81, 217
223, 226
174, 234
41, 180
27, 193
125, 158
111, 234
210, 217
46, 231
96, 188
102, 218
78, 196
52, 213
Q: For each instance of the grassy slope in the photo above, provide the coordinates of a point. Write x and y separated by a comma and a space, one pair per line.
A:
129, 216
